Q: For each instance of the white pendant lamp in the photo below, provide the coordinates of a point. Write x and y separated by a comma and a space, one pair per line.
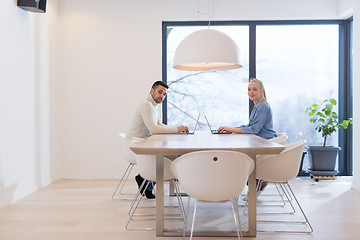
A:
207, 50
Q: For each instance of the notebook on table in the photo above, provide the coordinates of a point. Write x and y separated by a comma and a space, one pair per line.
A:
215, 131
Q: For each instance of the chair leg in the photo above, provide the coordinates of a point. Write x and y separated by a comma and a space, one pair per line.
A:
258, 183
132, 211
285, 197
193, 221
179, 198
135, 205
280, 193
283, 193
186, 217
288, 197
138, 194
291, 192
236, 216
287, 191
302, 211
122, 183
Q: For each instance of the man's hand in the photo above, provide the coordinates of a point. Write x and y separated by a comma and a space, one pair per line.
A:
182, 128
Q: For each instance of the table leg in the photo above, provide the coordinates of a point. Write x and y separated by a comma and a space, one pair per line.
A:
159, 196
252, 201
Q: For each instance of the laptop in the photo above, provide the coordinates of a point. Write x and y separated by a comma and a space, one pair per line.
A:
197, 123
215, 131
190, 132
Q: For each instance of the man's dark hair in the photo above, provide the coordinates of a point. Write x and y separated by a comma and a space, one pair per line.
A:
159, 83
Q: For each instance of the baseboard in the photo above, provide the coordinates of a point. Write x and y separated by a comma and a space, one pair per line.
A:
96, 176
355, 186
25, 193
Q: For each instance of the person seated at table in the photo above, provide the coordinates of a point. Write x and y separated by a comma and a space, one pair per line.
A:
147, 121
260, 120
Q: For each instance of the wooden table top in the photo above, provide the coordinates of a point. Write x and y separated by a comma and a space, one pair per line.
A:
178, 144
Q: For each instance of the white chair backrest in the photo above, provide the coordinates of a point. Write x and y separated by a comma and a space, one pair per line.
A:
284, 166
280, 139
213, 175
146, 165
126, 152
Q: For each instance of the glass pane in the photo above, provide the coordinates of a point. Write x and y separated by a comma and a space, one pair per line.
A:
220, 95
299, 66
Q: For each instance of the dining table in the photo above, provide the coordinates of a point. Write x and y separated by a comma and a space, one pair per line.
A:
174, 145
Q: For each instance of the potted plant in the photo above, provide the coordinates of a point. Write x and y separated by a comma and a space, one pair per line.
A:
326, 121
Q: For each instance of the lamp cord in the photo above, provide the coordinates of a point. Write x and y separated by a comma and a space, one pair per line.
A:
213, 13
214, 2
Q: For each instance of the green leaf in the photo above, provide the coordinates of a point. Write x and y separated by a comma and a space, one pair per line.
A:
344, 124
320, 114
333, 101
329, 107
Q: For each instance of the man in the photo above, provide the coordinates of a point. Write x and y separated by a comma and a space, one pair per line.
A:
147, 121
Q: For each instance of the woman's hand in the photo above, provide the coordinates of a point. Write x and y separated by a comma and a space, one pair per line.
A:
229, 129
224, 129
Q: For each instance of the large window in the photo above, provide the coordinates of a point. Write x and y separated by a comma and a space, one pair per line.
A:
298, 61
211, 93
299, 66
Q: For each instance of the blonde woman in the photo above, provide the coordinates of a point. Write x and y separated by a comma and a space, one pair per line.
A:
260, 121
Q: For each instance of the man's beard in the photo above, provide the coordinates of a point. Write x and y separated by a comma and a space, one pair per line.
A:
157, 99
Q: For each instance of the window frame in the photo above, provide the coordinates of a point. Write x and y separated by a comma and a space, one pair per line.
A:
345, 97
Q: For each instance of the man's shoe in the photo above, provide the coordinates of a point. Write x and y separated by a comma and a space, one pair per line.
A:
139, 180
149, 194
263, 185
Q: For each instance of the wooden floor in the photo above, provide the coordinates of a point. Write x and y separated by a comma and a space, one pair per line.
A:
84, 210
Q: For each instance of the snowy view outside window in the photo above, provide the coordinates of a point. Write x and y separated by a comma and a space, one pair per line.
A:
297, 63
299, 66
220, 95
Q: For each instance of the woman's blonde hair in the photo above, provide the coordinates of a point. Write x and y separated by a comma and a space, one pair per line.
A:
261, 84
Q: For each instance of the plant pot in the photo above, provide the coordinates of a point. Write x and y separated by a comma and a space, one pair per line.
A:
323, 158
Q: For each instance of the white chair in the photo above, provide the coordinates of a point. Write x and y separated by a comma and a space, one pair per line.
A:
280, 140
128, 156
146, 165
280, 169
213, 176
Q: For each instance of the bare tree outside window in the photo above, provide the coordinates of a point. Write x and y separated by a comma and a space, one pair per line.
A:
220, 95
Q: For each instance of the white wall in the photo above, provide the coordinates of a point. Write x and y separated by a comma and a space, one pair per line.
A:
25, 163
345, 8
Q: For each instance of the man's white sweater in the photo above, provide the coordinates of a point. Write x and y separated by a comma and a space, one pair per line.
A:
147, 120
